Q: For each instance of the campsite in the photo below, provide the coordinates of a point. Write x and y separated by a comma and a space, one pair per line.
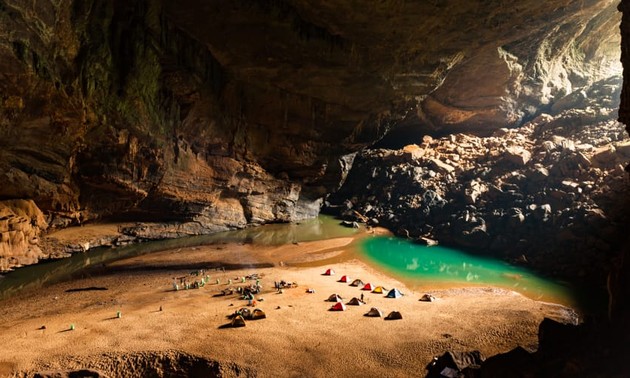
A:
299, 320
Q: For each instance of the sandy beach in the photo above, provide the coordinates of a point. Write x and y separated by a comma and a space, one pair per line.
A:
300, 336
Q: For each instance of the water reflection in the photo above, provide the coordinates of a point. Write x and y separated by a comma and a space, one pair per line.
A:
45, 273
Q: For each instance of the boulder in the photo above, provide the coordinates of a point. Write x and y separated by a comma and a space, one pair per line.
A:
605, 156
457, 361
538, 173
413, 152
427, 241
473, 191
575, 99
623, 148
517, 155
441, 166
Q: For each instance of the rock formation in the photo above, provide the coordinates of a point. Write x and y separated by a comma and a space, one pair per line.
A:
210, 115
554, 187
21, 224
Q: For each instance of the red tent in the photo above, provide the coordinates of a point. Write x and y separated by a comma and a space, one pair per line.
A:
329, 272
338, 307
368, 286
344, 279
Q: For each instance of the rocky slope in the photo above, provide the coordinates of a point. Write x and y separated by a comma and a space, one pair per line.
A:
213, 115
550, 194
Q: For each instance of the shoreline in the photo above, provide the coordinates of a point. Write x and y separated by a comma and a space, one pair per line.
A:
313, 340
110, 231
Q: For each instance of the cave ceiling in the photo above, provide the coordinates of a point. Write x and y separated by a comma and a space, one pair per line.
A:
452, 65
228, 113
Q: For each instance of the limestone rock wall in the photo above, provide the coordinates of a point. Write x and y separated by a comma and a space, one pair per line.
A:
21, 224
218, 115
109, 109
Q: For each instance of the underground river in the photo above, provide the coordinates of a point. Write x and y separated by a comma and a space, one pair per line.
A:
419, 267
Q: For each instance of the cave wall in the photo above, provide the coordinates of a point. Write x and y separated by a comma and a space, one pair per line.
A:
217, 115
110, 109
619, 278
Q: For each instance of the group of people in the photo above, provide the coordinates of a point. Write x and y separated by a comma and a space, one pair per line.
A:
183, 282
282, 284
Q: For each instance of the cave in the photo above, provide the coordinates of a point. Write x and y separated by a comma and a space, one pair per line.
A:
494, 127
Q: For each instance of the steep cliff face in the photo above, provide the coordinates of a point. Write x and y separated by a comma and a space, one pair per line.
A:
109, 109
220, 114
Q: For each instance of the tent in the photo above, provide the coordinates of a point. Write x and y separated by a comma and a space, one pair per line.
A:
368, 286
427, 298
374, 312
244, 312
334, 298
394, 315
344, 279
258, 314
238, 321
338, 307
379, 290
355, 302
329, 272
357, 282
394, 293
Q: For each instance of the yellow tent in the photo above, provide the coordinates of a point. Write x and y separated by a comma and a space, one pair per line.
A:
379, 290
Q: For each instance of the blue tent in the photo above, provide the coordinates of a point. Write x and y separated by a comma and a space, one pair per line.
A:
394, 293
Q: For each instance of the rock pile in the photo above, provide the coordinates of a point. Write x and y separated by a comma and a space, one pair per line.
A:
547, 194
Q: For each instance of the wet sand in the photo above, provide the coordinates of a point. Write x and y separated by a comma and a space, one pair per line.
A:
299, 337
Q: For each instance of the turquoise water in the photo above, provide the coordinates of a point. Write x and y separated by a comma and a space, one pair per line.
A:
416, 265
425, 266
